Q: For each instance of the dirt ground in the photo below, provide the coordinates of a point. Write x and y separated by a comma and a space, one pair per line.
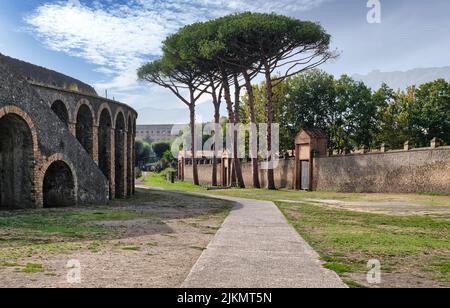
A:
156, 251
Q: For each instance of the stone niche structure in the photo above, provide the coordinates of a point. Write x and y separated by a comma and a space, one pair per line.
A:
60, 143
309, 144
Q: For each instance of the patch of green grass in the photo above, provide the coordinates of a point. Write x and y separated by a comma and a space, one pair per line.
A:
93, 247
159, 181
74, 222
32, 268
9, 264
28, 249
441, 266
353, 284
131, 248
431, 194
338, 267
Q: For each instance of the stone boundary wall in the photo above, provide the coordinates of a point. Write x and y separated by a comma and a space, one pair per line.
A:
284, 174
424, 170
418, 170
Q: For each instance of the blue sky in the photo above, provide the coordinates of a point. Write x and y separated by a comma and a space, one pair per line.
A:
102, 42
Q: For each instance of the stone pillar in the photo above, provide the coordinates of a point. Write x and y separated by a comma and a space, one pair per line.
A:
384, 148
112, 183
95, 144
38, 184
73, 128
130, 163
435, 143
407, 146
133, 164
183, 166
125, 163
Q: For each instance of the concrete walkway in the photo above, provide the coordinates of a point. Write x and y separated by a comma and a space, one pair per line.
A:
257, 248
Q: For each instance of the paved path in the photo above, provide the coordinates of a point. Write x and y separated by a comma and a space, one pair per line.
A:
257, 248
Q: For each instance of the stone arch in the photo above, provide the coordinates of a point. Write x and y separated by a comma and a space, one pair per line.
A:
101, 109
84, 127
62, 111
59, 184
19, 159
130, 148
120, 154
120, 112
57, 96
105, 145
82, 102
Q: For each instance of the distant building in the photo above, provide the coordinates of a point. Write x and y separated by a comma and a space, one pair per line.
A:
156, 133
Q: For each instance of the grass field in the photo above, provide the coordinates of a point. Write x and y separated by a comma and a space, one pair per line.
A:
414, 250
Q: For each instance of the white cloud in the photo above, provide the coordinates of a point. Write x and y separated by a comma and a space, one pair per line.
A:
119, 37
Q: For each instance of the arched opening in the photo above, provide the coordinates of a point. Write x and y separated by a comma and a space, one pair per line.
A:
130, 166
61, 111
119, 143
16, 163
104, 144
84, 128
59, 186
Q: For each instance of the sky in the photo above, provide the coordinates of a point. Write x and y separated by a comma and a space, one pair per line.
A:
103, 42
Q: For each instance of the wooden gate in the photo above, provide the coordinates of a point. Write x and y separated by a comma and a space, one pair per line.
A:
305, 176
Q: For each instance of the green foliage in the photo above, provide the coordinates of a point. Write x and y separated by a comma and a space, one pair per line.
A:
431, 112
248, 38
416, 115
143, 153
343, 108
159, 148
354, 116
168, 161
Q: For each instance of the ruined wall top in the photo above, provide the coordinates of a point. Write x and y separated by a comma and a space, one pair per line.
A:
37, 74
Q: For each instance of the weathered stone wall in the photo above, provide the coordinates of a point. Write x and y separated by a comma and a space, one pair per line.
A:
283, 174
417, 170
52, 137
113, 111
55, 141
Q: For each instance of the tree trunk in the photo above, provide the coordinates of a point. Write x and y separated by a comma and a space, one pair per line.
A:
270, 116
251, 104
217, 122
231, 117
227, 95
194, 160
237, 107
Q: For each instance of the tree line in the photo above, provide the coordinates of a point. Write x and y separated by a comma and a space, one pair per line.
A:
354, 116
222, 57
